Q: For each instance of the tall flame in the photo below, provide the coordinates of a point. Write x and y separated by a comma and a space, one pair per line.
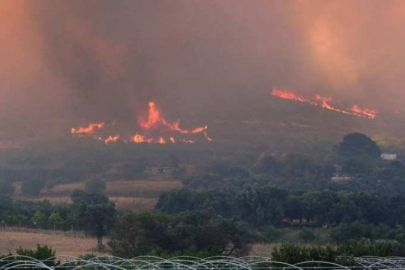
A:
154, 122
324, 102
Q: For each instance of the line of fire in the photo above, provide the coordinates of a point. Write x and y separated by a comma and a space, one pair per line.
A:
325, 103
153, 129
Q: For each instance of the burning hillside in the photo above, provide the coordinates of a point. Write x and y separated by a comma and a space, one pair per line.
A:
325, 103
152, 129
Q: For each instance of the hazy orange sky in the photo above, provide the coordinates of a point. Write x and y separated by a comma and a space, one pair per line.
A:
66, 62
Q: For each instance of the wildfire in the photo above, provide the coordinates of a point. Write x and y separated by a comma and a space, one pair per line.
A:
151, 125
90, 129
111, 139
324, 102
155, 120
284, 94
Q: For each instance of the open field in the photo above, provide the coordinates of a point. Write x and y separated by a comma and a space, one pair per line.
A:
69, 243
137, 195
65, 243
262, 250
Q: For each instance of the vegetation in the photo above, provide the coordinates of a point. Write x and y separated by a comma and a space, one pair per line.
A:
235, 199
197, 234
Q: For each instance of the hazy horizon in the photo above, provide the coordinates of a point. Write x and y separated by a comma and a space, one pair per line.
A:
66, 64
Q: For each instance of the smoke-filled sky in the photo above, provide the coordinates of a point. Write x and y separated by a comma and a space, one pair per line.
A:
69, 62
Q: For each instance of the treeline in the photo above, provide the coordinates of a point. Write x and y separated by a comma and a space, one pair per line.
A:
194, 234
92, 212
263, 205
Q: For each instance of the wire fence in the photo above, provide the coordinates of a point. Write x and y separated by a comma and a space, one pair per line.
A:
192, 263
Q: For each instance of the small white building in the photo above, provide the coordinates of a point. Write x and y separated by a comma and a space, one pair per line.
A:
387, 156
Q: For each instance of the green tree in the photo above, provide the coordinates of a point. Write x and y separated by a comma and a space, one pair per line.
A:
197, 234
359, 165
39, 218
357, 144
96, 214
56, 220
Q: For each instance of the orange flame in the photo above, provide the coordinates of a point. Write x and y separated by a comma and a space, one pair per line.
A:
285, 94
90, 129
111, 139
324, 102
161, 140
365, 112
138, 138
155, 119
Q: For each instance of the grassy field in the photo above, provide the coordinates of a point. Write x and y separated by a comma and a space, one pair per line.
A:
65, 243
136, 195
68, 243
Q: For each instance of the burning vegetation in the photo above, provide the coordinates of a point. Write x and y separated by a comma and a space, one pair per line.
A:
325, 103
153, 129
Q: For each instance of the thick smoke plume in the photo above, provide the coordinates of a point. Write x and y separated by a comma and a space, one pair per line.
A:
65, 63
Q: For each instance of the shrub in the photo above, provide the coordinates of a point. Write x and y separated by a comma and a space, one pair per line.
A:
306, 235
290, 253
42, 253
380, 248
271, 234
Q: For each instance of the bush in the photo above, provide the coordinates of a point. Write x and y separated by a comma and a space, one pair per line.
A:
32, 187
290, 253
271, 234
95, 186
192, 234
380, 248
42, 253
6, 188
306, 235
357, 231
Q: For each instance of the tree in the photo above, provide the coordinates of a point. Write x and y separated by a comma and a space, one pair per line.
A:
96, 214
32, 187
39, 218
6, 188
95, 186
56, 220
357, 144
262, 205
194, 233
359, 165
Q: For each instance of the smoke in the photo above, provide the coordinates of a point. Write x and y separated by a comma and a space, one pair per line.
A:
69, 62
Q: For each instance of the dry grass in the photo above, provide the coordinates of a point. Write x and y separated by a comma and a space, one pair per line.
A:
135, 204
143, 188
140, 195
64, 244
140, 188
262, 250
